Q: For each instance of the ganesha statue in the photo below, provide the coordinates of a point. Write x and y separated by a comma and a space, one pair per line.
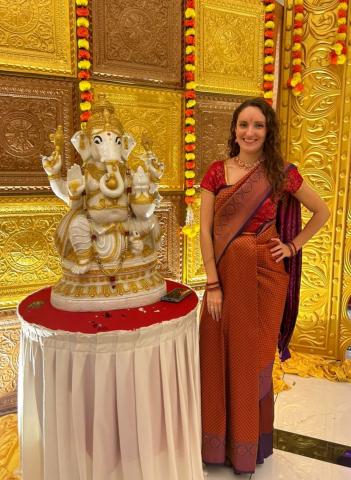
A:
109, 238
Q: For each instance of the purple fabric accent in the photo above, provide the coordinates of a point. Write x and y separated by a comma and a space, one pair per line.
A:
345, 459
288, 226
265, 447
213, 449
266, 380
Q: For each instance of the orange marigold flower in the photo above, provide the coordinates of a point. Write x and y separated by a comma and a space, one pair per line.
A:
269, 34
189, 112
269, 16
269, 101
86, 96
269, 68
82, 12
189, 129
299, 9
190, 165
297, 54
298, 24
342, 29
299, 87
189, 76
344, 50
268, 85
84, 117
190, 147
190, 40
82, 32
190, 58
297, 68
83, 54
342, 13
268, 51
84, 75
190, 94
297, 38
190, 3
190, 22
189, 200
189, 183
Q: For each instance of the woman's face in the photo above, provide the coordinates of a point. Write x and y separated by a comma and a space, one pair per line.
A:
251, 130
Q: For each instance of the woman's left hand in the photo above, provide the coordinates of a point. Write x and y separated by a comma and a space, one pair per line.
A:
280, 250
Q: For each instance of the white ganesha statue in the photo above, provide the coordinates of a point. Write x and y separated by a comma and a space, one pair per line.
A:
109, 238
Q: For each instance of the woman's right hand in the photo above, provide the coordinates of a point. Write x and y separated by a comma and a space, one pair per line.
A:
214, 303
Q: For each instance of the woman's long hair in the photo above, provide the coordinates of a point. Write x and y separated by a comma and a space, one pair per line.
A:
273, 160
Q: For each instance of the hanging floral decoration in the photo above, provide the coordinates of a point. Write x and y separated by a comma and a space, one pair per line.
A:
269, 35
84, 63
338, 54
190, 229
295, 80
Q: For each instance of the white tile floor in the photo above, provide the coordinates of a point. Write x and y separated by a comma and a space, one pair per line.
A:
313, 407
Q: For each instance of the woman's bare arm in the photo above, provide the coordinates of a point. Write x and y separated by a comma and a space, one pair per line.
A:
206, 231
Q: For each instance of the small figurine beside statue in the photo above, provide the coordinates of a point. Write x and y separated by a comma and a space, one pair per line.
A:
109, 238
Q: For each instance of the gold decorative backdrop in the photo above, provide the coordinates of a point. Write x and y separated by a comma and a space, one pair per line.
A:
316, 137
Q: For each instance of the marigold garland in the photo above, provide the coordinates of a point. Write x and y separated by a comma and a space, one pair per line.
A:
190, 229
84, 64
269, 27
338, 54
295, 80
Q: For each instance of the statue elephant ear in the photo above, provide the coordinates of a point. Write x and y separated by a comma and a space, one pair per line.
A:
128, 143
81, 143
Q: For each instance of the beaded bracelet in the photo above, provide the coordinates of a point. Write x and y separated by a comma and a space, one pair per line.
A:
290, 249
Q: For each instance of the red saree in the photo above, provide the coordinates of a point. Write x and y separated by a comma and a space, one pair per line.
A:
237, 353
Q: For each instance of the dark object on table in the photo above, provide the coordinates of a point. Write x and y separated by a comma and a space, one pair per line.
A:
176, 295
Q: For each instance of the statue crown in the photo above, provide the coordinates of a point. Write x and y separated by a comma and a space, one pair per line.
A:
103, 118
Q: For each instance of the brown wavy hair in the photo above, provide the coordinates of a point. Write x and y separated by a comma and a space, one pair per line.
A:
273, 160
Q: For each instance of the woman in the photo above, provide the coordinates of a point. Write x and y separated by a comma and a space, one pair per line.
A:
250, 239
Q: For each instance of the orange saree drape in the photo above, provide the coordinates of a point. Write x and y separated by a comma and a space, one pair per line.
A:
237, 353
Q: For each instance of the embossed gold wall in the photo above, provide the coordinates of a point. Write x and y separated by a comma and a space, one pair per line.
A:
229, 45
38, 36
316, 137
157, 114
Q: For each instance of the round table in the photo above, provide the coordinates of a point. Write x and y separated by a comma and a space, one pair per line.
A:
110, 395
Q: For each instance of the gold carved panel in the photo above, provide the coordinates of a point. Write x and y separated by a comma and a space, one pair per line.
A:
38, 36
230, 42
138, 41
194, 272
213, 119
31, 109
315, 133
171, 217
28, 257
156, 114
9, 348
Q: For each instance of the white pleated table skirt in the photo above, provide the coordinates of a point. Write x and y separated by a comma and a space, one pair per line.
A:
122, 405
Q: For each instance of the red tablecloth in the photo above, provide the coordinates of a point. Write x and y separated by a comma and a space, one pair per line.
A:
37, 309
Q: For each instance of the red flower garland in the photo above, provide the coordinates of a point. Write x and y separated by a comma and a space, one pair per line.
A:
295, 79
338, 54
269, 35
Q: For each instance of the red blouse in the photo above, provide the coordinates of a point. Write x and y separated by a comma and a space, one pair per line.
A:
214, 180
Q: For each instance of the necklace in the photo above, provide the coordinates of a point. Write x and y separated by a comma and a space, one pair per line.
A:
246, 165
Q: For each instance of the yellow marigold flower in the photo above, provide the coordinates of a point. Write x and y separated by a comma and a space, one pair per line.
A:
342, 21
189, 49
190, 103
269, 43
341, 59
299, 17
189, 192
189, 67
190, 121
83, 125
270, 7
298, 31
83, 43
83, 22
268, 59
189, 31
190, 156
337, 47
269, 77
84, 85
84, 106
342, 6
190, 86
189, 174
84, 64
296, 47
296, 79
341, 36
296, 61
190, 138
82, 3
268, 94
270, 24
190, 13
